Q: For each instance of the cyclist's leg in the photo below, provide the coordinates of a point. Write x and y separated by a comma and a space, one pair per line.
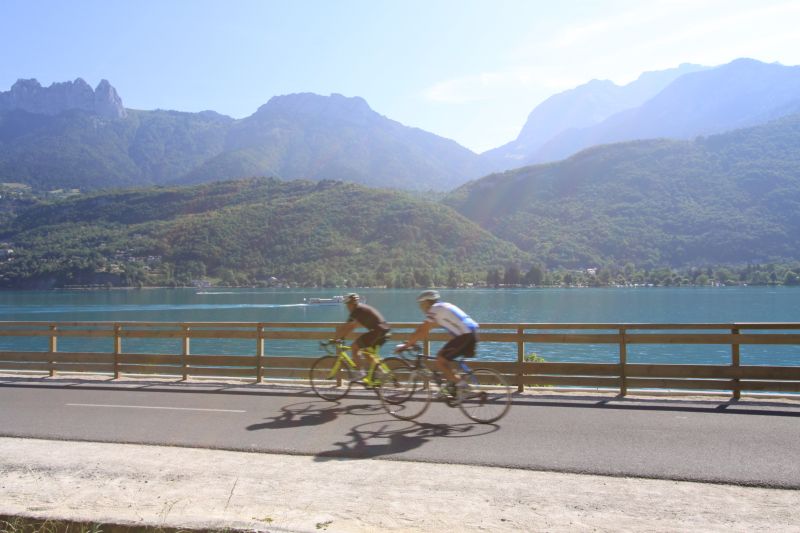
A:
443, 360
368, 340
443, 365
355, 352
460, 345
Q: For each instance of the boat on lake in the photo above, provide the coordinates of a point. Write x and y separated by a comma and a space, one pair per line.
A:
324, 301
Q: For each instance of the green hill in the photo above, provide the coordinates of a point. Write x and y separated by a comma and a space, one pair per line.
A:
726, 199
246, 232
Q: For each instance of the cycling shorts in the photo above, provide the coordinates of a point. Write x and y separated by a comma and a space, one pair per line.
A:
459, 345
374, 337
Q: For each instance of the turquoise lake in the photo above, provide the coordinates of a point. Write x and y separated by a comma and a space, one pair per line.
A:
602, 305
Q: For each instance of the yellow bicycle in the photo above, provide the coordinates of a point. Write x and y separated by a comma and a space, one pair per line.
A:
332, 375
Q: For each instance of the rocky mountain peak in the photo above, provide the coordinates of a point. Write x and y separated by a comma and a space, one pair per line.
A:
29, 95
305, 104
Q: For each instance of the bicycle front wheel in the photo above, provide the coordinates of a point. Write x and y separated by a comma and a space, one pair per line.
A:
487, 398
330, 378
411, 394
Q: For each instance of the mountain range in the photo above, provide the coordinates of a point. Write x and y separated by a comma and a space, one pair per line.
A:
58, 141
68, 135
740, 94
581, 107
731, 198
687, 167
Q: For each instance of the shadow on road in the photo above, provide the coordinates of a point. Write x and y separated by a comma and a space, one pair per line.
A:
738, 407
313, 413
390, 437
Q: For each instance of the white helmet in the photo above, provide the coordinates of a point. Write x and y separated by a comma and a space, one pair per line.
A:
428, 296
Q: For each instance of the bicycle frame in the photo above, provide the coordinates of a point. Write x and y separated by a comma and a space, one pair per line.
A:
419, 364
485, 398
341, 350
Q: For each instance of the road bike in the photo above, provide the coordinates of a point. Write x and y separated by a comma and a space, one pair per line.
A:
332, 375
485, 398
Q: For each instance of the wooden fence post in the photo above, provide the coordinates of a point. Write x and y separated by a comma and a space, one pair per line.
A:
737, 385
185, 350
623, 361
520, 359
259, 353
117, 348
53, 347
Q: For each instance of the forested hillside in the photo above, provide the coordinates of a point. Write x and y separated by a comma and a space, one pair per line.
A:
77, 149
248, 232
726, 199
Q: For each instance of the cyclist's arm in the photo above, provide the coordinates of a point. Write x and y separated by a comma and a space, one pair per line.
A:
345, 329
420, 333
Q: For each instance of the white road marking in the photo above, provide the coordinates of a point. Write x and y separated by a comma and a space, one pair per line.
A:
155, 407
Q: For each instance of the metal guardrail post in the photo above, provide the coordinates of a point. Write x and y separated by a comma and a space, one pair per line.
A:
185, 351
737, 385
260, 353
520, 359
53, 347
623, 361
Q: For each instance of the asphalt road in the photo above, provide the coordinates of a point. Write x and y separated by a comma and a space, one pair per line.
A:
749, 443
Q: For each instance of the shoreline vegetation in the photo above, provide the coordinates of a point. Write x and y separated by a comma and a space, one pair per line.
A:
774, 275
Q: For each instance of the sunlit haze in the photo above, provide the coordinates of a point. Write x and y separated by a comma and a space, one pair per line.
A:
467, 70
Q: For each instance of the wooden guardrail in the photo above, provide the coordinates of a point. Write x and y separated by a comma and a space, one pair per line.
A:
621, 375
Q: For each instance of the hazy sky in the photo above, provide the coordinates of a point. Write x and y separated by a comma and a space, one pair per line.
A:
470, 70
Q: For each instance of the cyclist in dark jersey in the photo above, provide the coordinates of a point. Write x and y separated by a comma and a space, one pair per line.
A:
370, 318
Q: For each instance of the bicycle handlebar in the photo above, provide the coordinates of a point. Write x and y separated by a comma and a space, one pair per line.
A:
415, 351
416, 348
330, 345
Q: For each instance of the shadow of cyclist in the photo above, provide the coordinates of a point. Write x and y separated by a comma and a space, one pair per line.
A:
394, 437
312, 413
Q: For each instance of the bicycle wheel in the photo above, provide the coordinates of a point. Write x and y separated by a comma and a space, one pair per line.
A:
330, 378
390, 378
487, 397
411, 393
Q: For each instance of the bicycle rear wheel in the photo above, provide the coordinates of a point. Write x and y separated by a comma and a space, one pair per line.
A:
330, 378
487, 397
390, 377
411, 394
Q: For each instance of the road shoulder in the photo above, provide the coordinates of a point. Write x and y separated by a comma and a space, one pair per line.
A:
197, 488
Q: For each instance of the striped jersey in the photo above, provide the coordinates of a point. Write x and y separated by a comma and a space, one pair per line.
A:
451, 318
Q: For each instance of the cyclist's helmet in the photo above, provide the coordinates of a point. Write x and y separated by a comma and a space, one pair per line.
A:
351, 298
430, 295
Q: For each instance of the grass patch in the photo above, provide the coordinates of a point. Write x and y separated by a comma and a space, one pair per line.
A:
535, 358
21, 524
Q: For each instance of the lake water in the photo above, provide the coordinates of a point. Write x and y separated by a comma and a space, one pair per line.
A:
606, 305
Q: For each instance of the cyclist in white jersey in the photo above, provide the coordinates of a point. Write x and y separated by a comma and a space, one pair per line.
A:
459, 324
